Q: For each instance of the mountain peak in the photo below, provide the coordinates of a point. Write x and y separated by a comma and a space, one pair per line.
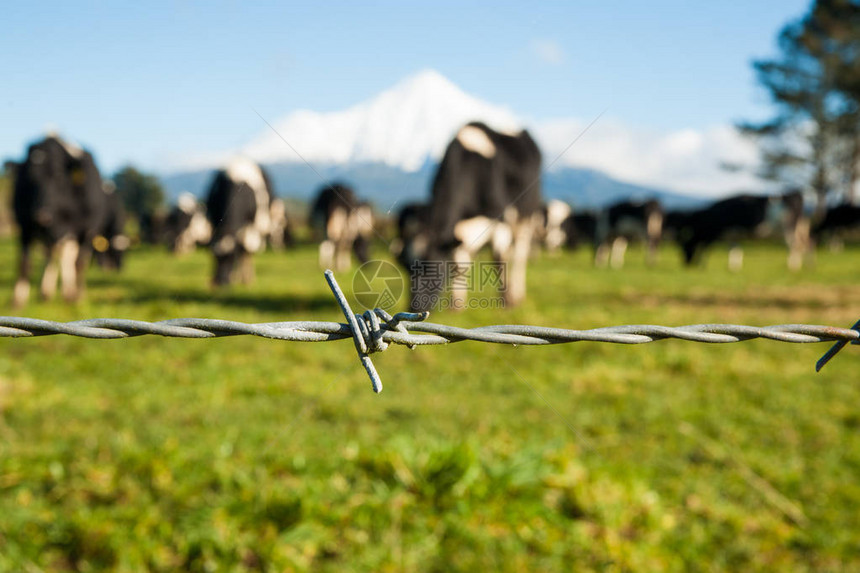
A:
427, 81
401, 127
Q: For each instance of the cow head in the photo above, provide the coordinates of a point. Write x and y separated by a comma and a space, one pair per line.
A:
226, 256
417, 253
45, 178
428, 274
428, 263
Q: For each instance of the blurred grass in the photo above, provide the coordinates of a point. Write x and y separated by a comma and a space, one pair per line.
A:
247, 454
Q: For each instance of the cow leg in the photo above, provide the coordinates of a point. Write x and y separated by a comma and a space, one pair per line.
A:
459, 292
736, 259
343, 258
82, 262
619, 248
516, 286
338, 239
601, 255
503, 239
245, 269
360, 247
691, 250
72, 260
21, 292
654, 232
327, 254
223, 269
795, 258
798, 244
651, 255
48, 287
836, 244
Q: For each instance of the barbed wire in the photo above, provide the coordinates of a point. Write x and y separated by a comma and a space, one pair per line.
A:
373, 331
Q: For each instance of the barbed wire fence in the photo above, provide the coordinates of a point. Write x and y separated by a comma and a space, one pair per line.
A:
374, 330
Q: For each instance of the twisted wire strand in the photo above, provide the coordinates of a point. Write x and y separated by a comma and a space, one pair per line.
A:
435, 334
374, 330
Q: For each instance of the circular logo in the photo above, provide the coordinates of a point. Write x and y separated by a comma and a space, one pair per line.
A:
377, 284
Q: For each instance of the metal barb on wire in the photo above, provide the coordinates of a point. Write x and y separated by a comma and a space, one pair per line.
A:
374, 330
834, 350
367, 331
360, 337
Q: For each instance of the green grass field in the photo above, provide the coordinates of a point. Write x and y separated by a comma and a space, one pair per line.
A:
248, 454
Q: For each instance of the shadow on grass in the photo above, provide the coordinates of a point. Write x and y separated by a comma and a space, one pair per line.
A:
137, 291
783, 301
267, 302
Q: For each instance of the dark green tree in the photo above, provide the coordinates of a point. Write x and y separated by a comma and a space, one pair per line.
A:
838, 21
812, 141
141, 193
6, 217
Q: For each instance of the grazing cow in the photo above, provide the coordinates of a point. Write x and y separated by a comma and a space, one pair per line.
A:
58, 200
342, 224
579, 228
551, 232
111, 242
609, 231
187, 227
627, 221
238, 206
837, 221
486, 190
743, 215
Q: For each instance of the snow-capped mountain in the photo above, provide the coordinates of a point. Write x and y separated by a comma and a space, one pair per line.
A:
388, 145
401, 127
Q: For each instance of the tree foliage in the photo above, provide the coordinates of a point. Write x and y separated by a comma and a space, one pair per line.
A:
813, 140
141, 193
5, 203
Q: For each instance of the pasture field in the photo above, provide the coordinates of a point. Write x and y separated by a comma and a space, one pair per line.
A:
248, 454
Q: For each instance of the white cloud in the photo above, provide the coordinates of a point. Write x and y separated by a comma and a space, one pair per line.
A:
548, 51
687, 161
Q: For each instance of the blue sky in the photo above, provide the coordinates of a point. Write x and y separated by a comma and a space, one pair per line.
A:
143, 81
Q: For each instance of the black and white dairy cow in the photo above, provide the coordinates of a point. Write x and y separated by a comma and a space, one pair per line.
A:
58, 200
610, 230
838, 221
625, 222
342, 224
486, 191
743, 216
579, 228
238, 207
187, 226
